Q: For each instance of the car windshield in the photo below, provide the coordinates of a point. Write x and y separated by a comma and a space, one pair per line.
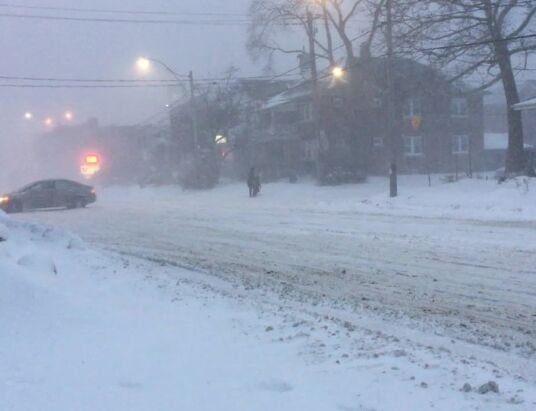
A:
26, 187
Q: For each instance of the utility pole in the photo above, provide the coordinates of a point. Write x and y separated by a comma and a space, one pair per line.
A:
314, 83
194, 112
393, 172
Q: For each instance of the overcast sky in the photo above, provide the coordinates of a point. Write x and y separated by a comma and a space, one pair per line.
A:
100, 50
47, 48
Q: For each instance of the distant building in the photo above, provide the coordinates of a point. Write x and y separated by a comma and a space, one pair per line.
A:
123, 152
226, 112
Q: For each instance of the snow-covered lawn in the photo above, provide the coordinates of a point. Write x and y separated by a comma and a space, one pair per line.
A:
90, 330
481, 198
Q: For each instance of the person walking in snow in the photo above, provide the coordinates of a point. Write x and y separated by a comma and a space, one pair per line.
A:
254, 183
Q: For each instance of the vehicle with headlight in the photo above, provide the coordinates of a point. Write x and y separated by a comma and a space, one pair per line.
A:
48, 194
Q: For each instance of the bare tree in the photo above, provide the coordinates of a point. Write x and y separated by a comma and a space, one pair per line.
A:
491, 39
272, 19
340, 13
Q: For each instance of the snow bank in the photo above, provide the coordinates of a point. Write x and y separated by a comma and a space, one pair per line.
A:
467, 198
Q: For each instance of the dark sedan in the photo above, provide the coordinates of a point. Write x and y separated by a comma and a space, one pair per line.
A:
48, 194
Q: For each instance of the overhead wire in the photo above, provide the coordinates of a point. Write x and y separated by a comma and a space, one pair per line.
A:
119, 11
138, 83
185, 22
176, 82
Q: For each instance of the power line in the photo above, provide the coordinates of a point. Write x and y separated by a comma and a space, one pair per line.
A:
119, 11
185, 22
101, 83
83, 80
133, 83
479, 43
85, 86
141, 81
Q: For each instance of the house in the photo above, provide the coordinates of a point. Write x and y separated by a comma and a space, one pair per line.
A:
526, 105
439, 125
282, 129
496, 126
495, 111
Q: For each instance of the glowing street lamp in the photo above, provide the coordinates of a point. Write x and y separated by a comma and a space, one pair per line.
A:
143, 64
337, 72
68, 116
28, 115
220, 139
49, 121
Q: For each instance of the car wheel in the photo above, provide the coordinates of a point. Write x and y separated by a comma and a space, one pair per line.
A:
78, 203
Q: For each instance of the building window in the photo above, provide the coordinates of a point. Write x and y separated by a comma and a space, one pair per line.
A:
412, 108
377, 142
459, 107
413, 146
460, 144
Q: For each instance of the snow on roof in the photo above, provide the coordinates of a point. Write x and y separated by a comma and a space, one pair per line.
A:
526, 105
300, 90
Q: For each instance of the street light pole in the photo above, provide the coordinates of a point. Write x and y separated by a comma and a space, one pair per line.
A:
144, 64
194, 111
393, 172
176, 75
314, 83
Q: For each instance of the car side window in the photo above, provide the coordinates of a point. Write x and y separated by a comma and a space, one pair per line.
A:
63, 186
48, 185
36, 187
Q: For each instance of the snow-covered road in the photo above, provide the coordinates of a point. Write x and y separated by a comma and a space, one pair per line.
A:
474, 280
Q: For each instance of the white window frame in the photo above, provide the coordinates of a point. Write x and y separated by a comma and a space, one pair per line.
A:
413, 144
412, 107
457, 144
459, 107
